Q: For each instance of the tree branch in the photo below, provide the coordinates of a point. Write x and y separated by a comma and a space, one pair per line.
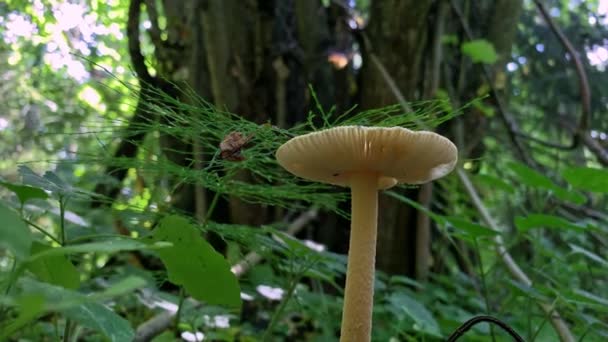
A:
137, 58
154, 30
585, 91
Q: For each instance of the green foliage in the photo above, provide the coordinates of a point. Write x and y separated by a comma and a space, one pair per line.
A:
65, 127
25, 192
588, 179
532, 178
53, 269
194, 264
14, 235
524, 224
480, 51
404, 306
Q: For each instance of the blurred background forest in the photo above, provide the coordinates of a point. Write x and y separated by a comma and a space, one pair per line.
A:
112, 118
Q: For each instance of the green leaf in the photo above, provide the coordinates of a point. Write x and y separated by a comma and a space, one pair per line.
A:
473, 229
495, 183
99, 318
108, 246
533, 178
194, 264
545, 221
527, 290
54, 269
480, 51
589, 254
76, 306
423, 318
121, 287
30, 306
49, 181
588, 179
25, 192
14, 234
588, 297
82, 310
449, 39
570, 196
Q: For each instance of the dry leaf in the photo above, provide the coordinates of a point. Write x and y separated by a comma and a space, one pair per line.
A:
231, 146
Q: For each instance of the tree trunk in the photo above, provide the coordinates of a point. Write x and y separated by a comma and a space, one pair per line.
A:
398, 32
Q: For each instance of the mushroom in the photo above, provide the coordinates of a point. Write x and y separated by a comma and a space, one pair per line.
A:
366, 159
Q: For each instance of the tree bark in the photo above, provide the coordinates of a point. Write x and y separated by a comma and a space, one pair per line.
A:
398, 32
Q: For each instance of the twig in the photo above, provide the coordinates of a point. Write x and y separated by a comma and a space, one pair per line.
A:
585, 90
137, 58
155, 32
161, 322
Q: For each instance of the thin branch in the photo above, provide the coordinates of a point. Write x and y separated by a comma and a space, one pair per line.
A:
594, 146
585, 91
137, 58
161, 322
154, 30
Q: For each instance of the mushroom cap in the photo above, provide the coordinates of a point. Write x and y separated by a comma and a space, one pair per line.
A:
395, 154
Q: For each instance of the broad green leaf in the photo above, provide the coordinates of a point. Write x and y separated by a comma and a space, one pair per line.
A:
81, 309
107, 246
54, 269
473, 229
25, 192
589, 254
121, 287
14, 234
194, 264
29, 306
495, 183
588, 179
545, 221
49, 181
99, 318
480, 51
533, 178
422, 317
571, 196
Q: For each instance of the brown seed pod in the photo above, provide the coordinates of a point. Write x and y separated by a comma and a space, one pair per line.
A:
231, 146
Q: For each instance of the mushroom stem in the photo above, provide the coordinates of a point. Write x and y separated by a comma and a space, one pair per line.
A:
359, 292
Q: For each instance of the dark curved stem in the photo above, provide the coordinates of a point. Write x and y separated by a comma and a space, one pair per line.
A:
466, 326
137, 58
585, 90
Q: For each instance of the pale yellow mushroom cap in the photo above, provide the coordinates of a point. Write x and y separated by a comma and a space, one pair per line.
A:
395, 154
